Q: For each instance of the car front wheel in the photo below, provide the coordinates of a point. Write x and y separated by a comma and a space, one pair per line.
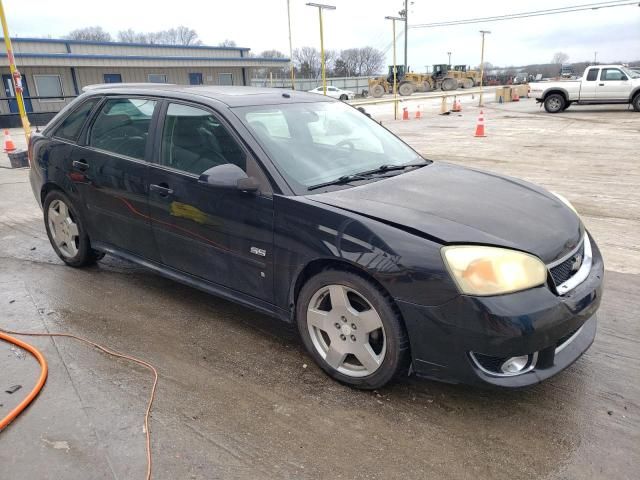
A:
66, 231
351, 330
636, 103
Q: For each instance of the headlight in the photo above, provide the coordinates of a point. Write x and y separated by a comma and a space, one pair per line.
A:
565, 201
479, 270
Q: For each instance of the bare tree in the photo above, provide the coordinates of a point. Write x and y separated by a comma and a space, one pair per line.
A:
372, 61
174, 36
96, 34
361, 61
227, 43
559, 58
272, 54
307, 61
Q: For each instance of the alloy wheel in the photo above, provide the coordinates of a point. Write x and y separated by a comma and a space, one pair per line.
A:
346, 330
63, 228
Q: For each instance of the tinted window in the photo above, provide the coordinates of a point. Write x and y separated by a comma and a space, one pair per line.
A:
122, 126
611, 74
70, 127
193, 140
592, 74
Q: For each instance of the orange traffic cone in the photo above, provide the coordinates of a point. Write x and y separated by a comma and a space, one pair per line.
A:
457, 107
515, 97
480, 125
405, 113
9, 146
418, 113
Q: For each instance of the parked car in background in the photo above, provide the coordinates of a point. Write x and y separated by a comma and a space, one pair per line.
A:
601, 84
303, 208
335, 92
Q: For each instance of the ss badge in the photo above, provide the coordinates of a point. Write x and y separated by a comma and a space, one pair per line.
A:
259, 251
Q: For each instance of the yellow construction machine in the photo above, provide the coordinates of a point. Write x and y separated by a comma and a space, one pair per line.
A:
466, 77
441, 77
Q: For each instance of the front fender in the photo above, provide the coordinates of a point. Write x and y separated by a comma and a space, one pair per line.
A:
408, 266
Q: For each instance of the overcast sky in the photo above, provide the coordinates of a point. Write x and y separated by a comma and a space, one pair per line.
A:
262, 24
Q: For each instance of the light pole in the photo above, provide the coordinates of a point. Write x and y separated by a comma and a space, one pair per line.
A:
321, 7
483, 32
395, 70
449, 53
406, 32
293, 80
595, 58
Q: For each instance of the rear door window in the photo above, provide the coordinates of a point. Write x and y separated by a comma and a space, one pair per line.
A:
70, 127
122, 126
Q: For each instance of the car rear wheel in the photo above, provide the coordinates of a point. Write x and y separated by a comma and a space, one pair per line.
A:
343, 97
636, 103
351, 329
66, 231
554, 103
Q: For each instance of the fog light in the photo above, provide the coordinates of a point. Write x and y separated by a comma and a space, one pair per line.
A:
515, 364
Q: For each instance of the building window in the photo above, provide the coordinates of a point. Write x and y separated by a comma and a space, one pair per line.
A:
49, 86
157, 78
225, 79
112, 78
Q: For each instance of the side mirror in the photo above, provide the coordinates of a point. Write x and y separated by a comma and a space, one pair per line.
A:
228, 176
624, 78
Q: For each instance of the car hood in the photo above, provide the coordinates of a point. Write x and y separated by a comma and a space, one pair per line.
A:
451, 204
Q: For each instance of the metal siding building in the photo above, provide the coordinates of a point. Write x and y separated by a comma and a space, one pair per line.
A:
59, 69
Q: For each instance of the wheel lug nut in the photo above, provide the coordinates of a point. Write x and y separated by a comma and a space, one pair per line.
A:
353, 326
343, 338
337, 325
344, 319
353, 338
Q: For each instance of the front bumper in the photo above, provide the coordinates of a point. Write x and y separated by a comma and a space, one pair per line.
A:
534, 322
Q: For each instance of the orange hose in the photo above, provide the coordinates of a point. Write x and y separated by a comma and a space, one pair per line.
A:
43, 376
44, 369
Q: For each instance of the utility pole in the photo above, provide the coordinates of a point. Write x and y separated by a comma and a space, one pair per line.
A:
15, 76
395, 70
321, 7
483, 32
293, 79
595, 58
449, 53
406, 33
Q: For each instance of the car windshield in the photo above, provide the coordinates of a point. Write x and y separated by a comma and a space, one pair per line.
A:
631, 73
314, 143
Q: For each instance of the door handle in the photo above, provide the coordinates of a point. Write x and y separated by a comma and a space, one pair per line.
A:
81, 165
163, 189
601, 84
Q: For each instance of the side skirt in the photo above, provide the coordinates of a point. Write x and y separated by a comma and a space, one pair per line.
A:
196, 282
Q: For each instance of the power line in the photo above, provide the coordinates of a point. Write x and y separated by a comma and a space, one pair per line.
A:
536, 13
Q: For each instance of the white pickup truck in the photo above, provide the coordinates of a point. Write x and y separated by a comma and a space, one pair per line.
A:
600, 84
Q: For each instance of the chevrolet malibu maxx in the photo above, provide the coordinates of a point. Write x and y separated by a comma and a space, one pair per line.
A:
301, 207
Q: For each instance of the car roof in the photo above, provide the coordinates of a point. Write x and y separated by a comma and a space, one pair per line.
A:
232, 96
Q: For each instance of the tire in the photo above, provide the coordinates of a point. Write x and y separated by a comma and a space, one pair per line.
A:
554, 103
343, 97
449, 84
66, 231
372, 347
468, 83
636, 102
377, 91
406, 89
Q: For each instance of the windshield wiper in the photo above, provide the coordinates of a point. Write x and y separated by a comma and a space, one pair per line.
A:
389, 168
338, 181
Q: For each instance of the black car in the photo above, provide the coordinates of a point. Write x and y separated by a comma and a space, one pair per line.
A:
307, 210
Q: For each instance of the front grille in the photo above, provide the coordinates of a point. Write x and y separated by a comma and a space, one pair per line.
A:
567, 269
